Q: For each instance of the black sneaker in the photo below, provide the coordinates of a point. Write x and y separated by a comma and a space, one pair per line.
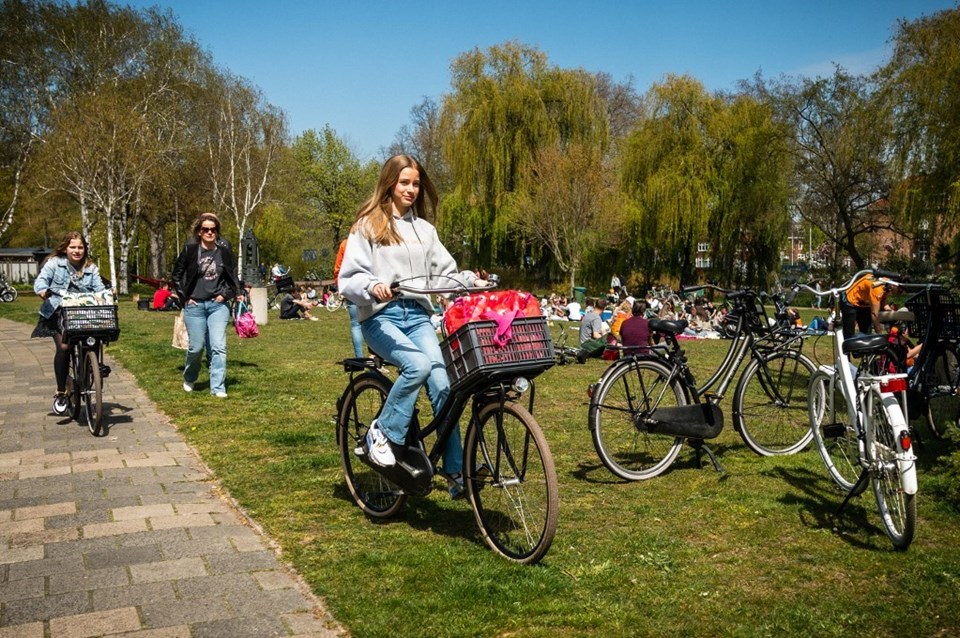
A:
60, 403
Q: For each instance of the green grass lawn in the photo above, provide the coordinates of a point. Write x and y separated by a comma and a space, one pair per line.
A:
748, 552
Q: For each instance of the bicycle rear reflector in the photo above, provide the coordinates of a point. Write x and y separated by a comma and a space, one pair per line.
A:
905, 441
893, 385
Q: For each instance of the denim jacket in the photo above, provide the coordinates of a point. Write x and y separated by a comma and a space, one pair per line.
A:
56, 275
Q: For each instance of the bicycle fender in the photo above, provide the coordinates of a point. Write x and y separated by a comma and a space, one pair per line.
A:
906, 460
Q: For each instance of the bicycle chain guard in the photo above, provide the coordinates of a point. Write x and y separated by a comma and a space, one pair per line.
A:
697, 421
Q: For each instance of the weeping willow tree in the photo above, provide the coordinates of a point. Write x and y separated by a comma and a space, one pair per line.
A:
750, 217
507, 103
668, 173
707, 169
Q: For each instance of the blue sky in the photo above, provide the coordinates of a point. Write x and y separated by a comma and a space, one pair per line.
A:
361, 65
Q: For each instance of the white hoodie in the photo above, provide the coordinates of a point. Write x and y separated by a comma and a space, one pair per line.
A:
420, 256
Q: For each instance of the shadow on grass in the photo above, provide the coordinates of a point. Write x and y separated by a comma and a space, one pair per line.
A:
424, 514
818, 505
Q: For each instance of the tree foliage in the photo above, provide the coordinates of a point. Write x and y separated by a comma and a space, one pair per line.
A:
921, 84
507, 103
840, 135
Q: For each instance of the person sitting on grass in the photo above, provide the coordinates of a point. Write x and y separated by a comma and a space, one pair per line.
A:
592, 341
293, 306
163, 299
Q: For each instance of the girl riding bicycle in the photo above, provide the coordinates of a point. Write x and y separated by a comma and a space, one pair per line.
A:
67, 269
391, 242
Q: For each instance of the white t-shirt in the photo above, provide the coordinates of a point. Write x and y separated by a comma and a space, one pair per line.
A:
573, 311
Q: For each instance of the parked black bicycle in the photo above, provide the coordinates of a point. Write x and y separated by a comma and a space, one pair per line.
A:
508, 470
646, 405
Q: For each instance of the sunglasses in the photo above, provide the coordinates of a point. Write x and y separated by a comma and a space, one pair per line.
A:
207, 229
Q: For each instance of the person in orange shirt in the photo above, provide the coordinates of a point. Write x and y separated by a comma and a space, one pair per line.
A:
860, 307
356, 335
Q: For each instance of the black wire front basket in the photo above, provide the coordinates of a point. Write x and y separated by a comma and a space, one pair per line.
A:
942, 303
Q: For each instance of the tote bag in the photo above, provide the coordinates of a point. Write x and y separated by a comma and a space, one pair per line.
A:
245, 323
180, 338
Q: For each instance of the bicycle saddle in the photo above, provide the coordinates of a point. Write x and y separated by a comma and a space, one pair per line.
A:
894, 316
863, 344
670, 327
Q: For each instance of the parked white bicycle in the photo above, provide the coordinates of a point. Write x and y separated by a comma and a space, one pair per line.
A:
860, 427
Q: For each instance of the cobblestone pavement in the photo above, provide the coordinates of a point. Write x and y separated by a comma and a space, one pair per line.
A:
124, 535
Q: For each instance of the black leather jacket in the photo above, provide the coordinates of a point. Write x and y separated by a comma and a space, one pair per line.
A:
186, 272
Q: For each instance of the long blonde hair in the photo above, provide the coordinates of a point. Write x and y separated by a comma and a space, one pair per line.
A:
375, 219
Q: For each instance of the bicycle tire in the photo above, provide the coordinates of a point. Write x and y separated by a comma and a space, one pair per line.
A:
333, 303
9, 295
73, 386
92, 391
838, 447
360, 405
511, 482
627, 392
770, 403
941, 385
277, 298
897, 508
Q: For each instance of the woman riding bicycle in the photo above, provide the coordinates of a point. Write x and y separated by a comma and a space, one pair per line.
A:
67, 269
391, 242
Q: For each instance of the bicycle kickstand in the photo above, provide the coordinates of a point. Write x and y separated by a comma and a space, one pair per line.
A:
864, 476
702, 448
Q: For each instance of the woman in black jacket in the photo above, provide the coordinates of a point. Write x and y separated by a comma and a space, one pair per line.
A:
206, 280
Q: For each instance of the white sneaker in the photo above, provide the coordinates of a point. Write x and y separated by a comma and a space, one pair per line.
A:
379, 446
220, 395
187, 386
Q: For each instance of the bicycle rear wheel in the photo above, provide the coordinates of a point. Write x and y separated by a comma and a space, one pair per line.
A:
511, 482
770, 404
898, 510
627, 394
92, 392
835, 438
942, 384
360, 405
334, 302
9, 295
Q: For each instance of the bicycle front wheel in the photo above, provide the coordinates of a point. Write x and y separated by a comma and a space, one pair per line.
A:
511, 482
92, 392
9, 295
334, 302
628, 393
898, 510
360, 405
942, 384
770, 404
74, 402
835, 438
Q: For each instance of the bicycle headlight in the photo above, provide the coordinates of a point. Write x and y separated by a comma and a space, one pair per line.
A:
521, 385
91, 341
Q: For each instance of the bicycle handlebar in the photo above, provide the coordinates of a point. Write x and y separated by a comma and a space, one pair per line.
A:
885, 276
459, 288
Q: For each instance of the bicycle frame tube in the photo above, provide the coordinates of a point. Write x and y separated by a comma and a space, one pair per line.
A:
742, 342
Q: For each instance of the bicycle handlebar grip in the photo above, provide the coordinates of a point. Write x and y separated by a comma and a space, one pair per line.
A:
888, 274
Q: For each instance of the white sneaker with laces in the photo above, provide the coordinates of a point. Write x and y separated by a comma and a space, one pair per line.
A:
187, 386
379, 446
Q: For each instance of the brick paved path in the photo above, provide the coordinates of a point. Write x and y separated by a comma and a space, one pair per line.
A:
123, 535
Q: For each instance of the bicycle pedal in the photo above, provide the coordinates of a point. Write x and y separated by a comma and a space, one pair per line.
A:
834, 430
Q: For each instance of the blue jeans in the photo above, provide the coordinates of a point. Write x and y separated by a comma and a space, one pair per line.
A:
402, 334
356, 335
206, 323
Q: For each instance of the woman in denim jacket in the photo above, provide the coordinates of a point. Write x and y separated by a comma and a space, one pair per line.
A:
68, 269
206, 279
